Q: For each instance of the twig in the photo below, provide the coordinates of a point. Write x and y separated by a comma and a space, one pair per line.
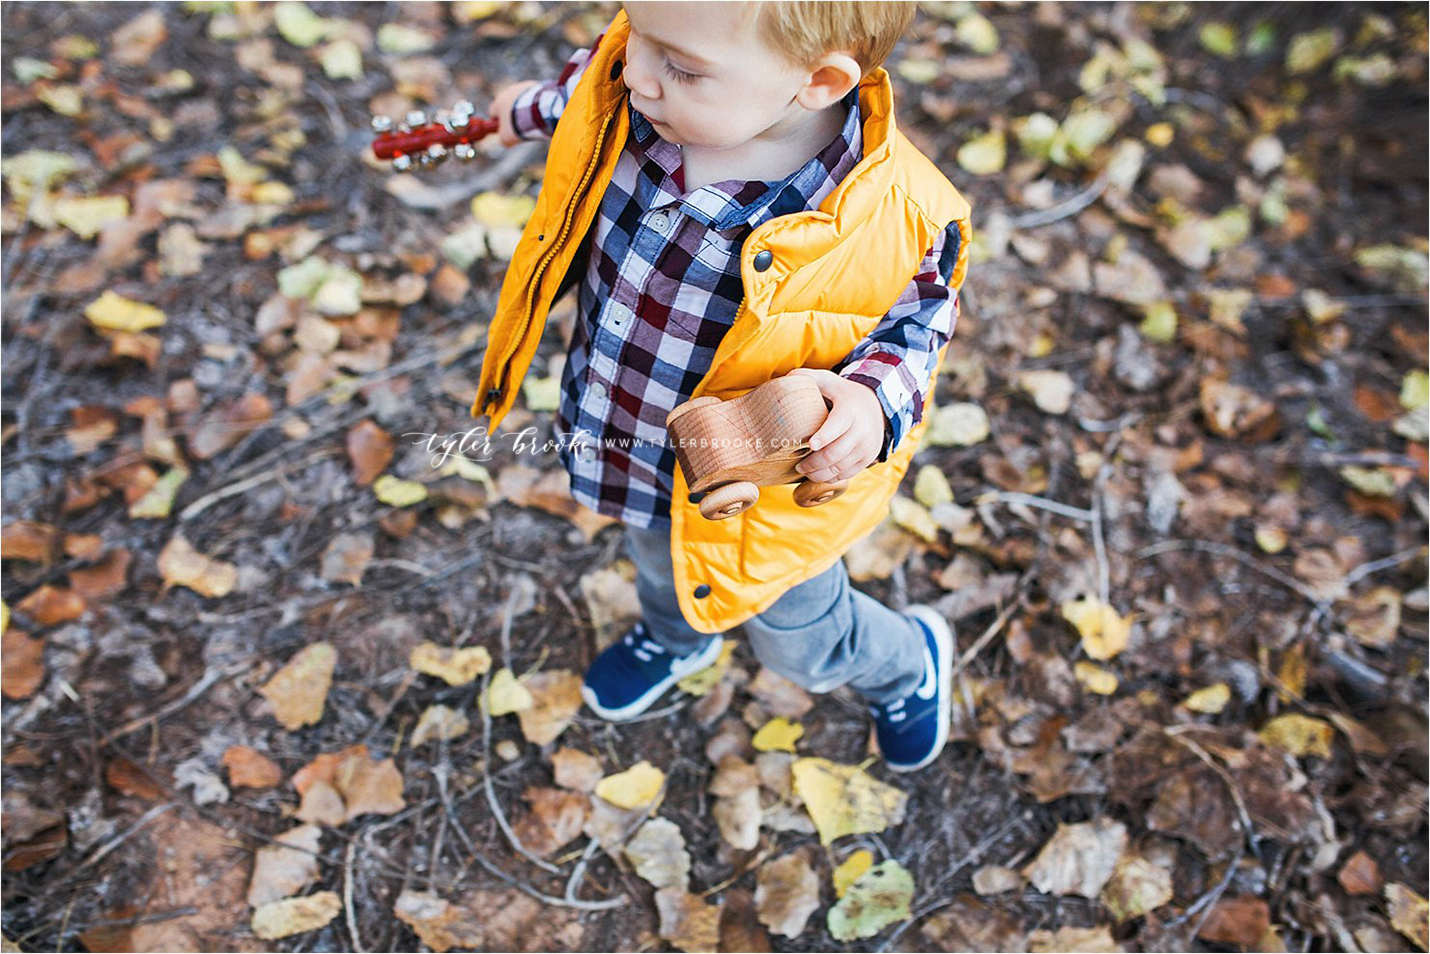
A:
1384, 563
211, 678
491, 791
1221, 549
1099, 546
1068, 207
988, 634
238, 487
1042, 503
122, 837
348, 897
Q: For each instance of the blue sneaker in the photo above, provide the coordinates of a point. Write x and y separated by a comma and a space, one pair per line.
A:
632, 673
912, 730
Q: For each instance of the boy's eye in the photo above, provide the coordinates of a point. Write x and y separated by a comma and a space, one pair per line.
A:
679, 75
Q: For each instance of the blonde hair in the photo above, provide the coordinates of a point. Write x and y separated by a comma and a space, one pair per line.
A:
805, 30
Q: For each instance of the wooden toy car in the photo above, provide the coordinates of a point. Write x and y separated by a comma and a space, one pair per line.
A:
728, 450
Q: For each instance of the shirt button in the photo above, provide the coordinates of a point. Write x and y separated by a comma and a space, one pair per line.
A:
598, 390
586, 453
660, 222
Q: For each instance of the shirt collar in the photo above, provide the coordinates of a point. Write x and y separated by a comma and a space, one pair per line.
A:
755, 201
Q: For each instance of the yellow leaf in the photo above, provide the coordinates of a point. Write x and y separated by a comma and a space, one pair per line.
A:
295, 915
1210, 700
115, 313
1409, 913
850, 869
456, 666
398, 492
86, 216
1160, 134
1094, 678
505, 694
159, 499
64, 98
845, 800
633, 788
1300, 735
777, 735
4, 616
1104, 632
238, 170
1415, 390
181, 565
272, 193
700, 683
1271, 539
984, 155
493, 209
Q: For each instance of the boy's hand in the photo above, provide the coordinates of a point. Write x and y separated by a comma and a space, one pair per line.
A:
501, 110
851, 437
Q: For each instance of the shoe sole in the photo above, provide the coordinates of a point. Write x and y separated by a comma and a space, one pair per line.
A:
644, 702
943, 639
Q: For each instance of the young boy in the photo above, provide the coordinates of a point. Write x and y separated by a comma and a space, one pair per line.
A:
727, 187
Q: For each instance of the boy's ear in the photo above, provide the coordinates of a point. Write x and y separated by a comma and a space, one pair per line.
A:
832, 75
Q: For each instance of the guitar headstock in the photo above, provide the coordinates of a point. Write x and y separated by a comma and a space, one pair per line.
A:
421, 141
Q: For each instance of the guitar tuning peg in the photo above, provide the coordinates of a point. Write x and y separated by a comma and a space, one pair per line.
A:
402, 163
464, 151
464, 106
381, 124
416, 118
436, 154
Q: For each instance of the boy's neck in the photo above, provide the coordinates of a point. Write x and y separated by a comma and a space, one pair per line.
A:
773, 154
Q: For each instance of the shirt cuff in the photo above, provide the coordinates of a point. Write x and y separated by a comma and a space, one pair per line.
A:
526, 115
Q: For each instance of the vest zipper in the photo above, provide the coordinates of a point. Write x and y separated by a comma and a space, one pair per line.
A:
551, 253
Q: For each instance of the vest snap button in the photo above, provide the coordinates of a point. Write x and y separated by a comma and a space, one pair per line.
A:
763, 258
702, 591
615, 69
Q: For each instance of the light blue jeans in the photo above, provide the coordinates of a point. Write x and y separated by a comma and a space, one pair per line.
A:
821, 634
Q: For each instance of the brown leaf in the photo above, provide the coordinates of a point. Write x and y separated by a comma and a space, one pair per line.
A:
283, 869
28, 540
181, 565
128, 778
738, 817
52, 605
686, 921
298, 691
228, 424
104, 578
1234, 411
1079, 858
369, 785
739, 928
1242, 920
250, 769
346, 557
558, 698
778, 695
370, 451
576, 770
786, 893
324, 767
1360, 875
555, 818
440, 924
657, 852
22, 664
322, 805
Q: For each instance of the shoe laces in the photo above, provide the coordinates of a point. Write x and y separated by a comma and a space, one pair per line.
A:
646, 649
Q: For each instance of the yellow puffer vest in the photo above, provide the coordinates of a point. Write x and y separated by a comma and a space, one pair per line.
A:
835, 273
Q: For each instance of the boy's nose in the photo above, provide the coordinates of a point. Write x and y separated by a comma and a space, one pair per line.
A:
638, 81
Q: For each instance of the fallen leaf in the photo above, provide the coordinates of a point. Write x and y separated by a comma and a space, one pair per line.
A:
657, 852
370, 450
777, 735
181, 565
369, 786
1104, 632
282, 870
1210, 700
1073, 940
636, 787
700, 683
1079, 858
22, 664
556, 696
506, 694
1240, 920
1137, 886
879, 897
686, 921
738, 817
440, 924
1408, 913
1374, 618
850, 869
845, 800
298, 691
786, 894
1051, 391
321, 805
1360, 875
457, 667
295, 915
1298, 734
250, 769
115, 313
396, 492
555, 817
439, 723
576, 770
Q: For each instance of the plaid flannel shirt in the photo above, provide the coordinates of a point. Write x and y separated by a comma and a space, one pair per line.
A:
662, 286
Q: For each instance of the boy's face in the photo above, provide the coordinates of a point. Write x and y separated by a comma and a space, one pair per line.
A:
704, 79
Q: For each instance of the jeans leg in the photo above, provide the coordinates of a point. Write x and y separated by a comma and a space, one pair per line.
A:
649, 550
824, 633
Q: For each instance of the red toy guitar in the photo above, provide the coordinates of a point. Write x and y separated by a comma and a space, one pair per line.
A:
425, 142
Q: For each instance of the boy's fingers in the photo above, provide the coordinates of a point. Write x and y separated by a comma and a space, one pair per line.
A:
840, 419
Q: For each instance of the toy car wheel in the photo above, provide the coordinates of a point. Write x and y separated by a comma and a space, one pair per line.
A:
690, 405
812, 493
729, 500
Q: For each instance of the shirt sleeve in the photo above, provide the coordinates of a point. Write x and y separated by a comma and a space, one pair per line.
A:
537, 108
900, 355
